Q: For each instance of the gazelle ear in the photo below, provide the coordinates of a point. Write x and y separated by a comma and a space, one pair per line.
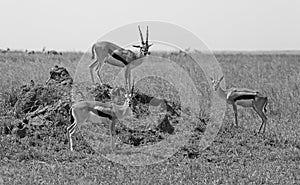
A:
147, 35
136, 46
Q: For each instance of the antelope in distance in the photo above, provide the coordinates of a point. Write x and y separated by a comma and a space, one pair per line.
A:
107, 52
51, 52
83, 110
44, 50
4, 51
245, 98
29, 52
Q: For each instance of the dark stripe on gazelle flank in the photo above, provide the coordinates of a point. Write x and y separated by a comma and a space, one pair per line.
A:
103, 114
118, 57
72, 118
244, 97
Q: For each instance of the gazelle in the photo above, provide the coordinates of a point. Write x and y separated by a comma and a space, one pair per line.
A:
245, 98
82, 111
5, 51
107, 52
44, 50
51, 52
29, 52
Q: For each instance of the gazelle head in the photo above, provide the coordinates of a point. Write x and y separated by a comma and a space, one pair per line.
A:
130, 95
144, 47
118, 94
216, 83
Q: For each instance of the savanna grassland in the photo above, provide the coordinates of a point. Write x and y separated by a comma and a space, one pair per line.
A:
237, 156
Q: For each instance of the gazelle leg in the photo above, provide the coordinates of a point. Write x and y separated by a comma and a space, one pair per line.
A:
128, 69
71, 130
235, 113
261, 126
92, 67
110, 60
258, 110
266, 121
264, 116
70, 142
127, 78
113, 134
98, 71
102, 50
114, 62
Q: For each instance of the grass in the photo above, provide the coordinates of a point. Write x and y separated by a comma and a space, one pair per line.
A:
237, 155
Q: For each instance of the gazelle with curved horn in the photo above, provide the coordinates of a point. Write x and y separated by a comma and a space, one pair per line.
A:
82, 112
245, 98
107, 52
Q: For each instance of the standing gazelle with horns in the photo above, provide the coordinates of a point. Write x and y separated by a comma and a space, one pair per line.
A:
107, 52
83, 110
245, 98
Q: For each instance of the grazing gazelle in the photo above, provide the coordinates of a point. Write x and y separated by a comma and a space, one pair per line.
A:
44, 50
51, 52
29, 52
107, 52
245, 98
5, 51
82, 111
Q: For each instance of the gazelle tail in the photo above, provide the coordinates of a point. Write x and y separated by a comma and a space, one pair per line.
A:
265, 106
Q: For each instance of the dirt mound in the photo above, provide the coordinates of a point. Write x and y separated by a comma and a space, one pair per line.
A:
59, 75
42, 105
34, 97
42, 113
101, 92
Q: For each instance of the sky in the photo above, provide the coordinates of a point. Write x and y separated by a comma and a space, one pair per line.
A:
71, 25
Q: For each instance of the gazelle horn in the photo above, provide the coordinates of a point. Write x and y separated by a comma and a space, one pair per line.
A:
142, 39
147, 34
221, 78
